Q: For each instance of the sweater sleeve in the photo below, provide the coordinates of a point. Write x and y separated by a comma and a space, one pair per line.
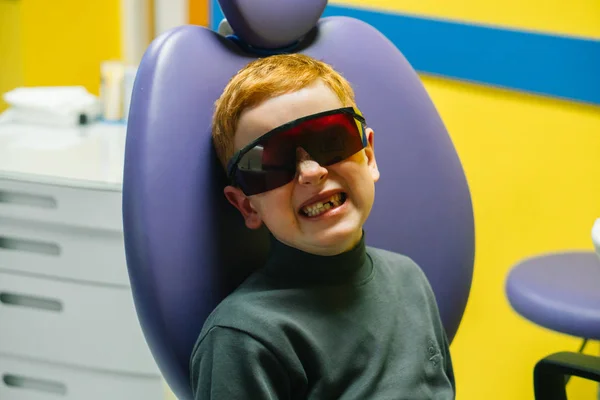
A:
448, 361
439, 328
229, 365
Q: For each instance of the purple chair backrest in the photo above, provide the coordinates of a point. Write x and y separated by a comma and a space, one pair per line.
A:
187, 247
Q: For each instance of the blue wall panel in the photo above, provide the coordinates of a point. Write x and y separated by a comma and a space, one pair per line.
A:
544, 64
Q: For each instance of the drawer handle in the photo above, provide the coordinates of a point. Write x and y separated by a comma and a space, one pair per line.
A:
41, 385
41, 303
30, 246
27, 199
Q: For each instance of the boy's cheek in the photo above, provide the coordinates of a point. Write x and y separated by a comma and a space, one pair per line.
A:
358, 158
272, 202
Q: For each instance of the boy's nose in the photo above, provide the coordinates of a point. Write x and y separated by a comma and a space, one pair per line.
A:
310, 172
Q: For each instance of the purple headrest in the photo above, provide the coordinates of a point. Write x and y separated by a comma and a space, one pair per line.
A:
272, 24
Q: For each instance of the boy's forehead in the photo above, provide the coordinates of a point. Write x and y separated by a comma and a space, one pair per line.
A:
260, 119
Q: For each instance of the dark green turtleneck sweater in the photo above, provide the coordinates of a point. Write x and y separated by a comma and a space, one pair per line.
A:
362, 325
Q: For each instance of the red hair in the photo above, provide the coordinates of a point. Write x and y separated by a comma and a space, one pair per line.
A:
263, 79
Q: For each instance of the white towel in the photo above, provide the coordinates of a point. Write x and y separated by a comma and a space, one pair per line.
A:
52, 105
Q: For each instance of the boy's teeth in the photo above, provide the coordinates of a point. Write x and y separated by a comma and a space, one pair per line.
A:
315, 209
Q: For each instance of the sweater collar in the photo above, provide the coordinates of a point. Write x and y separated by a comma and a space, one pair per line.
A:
299, 267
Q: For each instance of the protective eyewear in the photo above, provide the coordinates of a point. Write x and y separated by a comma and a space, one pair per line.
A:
270, 161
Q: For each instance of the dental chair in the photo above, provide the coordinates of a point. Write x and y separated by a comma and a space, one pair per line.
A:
187, 248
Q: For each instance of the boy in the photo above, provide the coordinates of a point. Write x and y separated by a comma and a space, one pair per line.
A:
326, 317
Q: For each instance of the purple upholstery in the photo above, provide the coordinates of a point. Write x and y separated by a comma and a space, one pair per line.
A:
272, 24
187, 247
559, 291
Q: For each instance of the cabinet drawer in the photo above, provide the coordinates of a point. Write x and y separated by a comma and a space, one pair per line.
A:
63, 205
77, 324
22, 379
60, 251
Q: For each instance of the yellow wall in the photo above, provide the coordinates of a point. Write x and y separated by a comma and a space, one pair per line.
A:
11, 59
533, 168
576, 17
534, 171
64, 41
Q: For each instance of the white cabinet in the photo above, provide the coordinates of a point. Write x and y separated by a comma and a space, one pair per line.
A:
82, 254
68, 326
25, 379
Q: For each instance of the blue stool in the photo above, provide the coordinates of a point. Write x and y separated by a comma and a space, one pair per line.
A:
561, 292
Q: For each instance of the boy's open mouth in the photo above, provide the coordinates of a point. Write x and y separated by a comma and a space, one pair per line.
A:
319, 207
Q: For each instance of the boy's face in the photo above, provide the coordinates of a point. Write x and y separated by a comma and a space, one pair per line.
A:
282, 209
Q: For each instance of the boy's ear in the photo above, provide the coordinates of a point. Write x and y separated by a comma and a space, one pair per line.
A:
370, 152
240, 201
